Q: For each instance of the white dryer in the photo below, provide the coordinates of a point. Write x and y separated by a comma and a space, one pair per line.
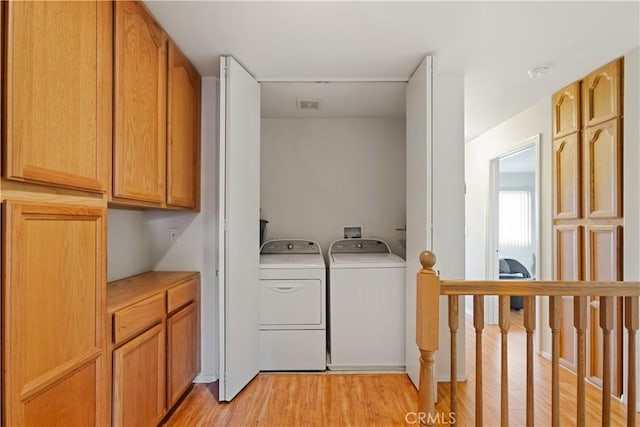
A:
292, 306
366, 306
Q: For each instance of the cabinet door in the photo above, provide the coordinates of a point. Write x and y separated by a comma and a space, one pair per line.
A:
139, 146
603, 262
139, 380
183, 351
183, 151
603, 170
58, 93
602, 94
566, 177
566, 110
53, 311
568, 266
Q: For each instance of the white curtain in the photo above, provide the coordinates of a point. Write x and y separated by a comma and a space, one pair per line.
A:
515, 219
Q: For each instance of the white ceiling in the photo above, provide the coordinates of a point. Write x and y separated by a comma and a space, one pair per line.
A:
523, 161
492, 43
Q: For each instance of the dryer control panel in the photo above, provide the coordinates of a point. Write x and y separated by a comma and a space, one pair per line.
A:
294, 246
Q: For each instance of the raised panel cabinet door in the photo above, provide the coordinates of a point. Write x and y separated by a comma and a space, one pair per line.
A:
58, 93
183, 351
566, 177
139, 380
602, 151
604, 263
602, 94
183, 128
567, 241
566, 110
139, 145
53, 311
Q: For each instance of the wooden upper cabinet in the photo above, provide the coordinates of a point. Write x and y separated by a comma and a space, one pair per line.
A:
567, 242
566, 110
602, 151
602, 94
139, 147
53, 311
566, 177
183, 127
58, 93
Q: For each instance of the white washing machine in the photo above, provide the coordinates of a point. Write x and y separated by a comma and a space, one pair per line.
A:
292, 306
366, 306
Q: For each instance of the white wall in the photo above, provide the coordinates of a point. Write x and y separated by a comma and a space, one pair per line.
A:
320, 174
128, 244
197, 243
479, 152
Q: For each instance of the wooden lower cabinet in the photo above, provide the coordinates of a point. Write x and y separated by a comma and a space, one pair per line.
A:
154, 319
182, 358
53, 306
139, 380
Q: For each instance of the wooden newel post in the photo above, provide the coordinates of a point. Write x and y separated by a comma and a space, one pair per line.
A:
427, 317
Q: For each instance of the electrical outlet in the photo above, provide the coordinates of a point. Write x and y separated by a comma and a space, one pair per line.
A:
173, 234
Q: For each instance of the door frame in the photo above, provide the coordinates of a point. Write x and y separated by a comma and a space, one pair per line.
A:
492, 257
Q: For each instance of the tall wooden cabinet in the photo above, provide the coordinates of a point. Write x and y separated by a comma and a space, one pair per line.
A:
140, 79
588, 214
53, 310
57, 93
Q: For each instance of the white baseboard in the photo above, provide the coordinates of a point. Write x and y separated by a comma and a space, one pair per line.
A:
444, 378
205, 378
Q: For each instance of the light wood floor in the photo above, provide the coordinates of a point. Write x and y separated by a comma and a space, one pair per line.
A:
328, 399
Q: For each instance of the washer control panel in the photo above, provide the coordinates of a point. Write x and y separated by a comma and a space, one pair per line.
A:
296, 246
363, 246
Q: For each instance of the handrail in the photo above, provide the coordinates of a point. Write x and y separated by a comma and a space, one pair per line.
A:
430, 288
539, 288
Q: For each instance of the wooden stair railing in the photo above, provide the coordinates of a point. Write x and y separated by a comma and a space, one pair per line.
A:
429, 290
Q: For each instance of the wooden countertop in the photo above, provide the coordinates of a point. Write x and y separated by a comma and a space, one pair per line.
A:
127, 291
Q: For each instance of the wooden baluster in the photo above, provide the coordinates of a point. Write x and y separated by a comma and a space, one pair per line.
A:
606, 323
530, 326
631, 323
427, 318
453, 327
478, 324
504, 319
580, 324
555, 319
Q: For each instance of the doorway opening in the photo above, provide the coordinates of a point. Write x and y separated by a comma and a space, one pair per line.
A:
514, 224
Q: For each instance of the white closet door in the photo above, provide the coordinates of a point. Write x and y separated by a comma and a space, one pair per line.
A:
419, 197
239, 227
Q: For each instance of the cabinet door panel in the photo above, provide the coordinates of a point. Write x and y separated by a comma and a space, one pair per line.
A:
568, 266
603, 262
183, 351
58, 93
183, 159
603, 170
53, 311
602, 94
566, 110
566, 177
139, 380
140, 105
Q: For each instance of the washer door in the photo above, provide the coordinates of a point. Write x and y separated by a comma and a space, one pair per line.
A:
290, 302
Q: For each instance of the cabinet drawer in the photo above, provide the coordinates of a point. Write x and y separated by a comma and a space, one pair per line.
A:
181, 295
134, 319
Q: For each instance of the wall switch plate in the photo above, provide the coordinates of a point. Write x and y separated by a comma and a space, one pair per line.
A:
173, 234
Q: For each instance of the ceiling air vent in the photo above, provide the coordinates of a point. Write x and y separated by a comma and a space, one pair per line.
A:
309, 104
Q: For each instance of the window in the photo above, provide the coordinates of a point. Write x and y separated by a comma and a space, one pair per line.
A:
515, 219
